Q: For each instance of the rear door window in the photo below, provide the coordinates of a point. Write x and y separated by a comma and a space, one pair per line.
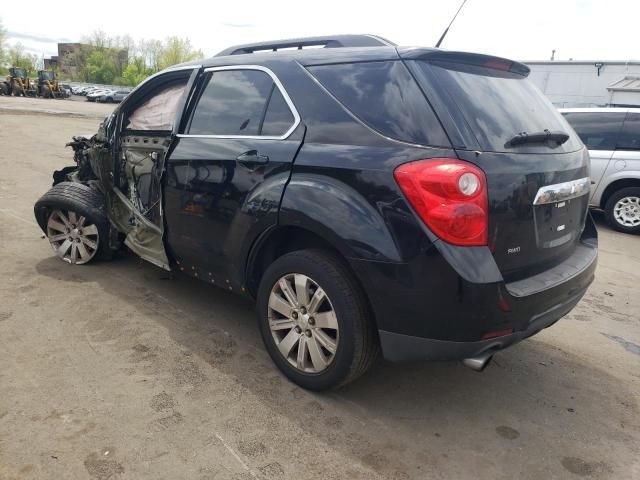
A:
597, 130
629, 138
493, 104
278, 118
241, 103
385, 96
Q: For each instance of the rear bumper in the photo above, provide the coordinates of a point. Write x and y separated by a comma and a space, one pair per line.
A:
425, 309
399, 347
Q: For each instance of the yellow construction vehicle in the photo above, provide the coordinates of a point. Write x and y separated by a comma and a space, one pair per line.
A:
17, 84
48, 86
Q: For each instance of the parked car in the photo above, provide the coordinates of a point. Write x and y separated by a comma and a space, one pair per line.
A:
365, 196
94, 94
612, 136
113, 96
67, 89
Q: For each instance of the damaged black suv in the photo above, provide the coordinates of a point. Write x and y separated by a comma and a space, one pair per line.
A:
428, 203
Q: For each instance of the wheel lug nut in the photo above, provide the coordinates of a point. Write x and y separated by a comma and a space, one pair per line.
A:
294, 315
298, 330
312, 321
303, 310
307, 333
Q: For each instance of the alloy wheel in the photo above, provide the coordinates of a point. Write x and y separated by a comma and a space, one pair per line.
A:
74, 238
303, 323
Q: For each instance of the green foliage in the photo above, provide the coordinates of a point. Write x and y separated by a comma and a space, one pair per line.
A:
17, 57
135, 72
177, 50
3, 36
100, 67
108, 60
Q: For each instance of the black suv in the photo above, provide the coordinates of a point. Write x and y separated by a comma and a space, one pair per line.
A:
428, 203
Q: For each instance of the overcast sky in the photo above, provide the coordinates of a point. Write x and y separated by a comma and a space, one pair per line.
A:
518, 29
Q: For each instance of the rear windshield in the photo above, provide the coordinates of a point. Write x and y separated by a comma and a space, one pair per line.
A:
496, 105
385, 96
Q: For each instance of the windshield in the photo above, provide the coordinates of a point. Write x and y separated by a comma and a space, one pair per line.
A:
497, 105
47, 76
19, 73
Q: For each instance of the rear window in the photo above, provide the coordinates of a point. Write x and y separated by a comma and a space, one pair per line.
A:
241, 103
494, 105
630, 135
385, 96
597, 130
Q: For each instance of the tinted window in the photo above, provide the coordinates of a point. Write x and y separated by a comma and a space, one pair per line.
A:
278, 118
234, 102
384, 96
629, 138
495, 105
598, 131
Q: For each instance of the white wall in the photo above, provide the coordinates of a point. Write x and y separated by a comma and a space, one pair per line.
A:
578, 84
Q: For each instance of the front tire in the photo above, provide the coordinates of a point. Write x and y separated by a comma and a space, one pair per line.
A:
73, 218
315, 320
623, 210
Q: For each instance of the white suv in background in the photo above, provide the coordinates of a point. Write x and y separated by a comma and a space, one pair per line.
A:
612, 136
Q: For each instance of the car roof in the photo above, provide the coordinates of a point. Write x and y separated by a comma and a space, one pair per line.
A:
600, 110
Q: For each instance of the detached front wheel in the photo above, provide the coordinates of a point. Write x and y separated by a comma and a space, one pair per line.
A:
315, 321
73, 217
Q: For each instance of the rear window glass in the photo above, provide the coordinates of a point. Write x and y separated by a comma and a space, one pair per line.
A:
385, 96
630, 135
232, 103
495, 105
278, 118
241, 103
598, 131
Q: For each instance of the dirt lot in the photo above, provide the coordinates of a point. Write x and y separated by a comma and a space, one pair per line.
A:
117, 370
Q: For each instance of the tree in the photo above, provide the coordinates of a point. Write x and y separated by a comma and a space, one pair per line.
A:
3, 36
135, 72
18, 57
100, 67
177, 50
151, 51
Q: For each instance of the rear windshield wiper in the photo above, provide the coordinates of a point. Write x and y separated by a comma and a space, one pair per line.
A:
547, 136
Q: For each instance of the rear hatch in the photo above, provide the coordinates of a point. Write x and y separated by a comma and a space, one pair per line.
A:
536, 167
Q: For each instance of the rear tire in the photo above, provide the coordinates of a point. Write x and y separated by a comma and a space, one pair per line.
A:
46, 92
16, 90
316, 344
623, 210
73, 217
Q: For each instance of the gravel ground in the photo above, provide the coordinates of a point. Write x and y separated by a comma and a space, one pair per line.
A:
121, 371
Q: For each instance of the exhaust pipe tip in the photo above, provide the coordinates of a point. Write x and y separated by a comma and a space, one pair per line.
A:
478, 363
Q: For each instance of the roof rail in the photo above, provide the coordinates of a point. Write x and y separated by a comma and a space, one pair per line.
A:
336, 41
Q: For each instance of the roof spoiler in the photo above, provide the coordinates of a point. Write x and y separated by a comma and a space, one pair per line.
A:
336, 41
475, 59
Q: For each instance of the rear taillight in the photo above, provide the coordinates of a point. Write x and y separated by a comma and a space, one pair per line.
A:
450, 196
